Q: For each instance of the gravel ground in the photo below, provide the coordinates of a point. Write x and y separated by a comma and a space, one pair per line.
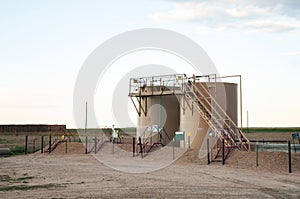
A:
82, 176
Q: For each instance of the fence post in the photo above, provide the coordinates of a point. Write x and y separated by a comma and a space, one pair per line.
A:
95, 145
86, 142
141, 147
290, 156
208, 152
223, 151
26, 142
173, 155
133, 147
66, 145
42, 145
256, 147
49, 149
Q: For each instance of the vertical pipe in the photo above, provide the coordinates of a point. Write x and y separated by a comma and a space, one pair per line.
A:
133, 147
223, 151
208, 152
42, 145
189, 140
86, 142
26, 142
85, 127
152, 89
290, 156
241, 104
160, 112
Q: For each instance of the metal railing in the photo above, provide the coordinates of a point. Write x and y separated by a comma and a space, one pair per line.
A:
156, 84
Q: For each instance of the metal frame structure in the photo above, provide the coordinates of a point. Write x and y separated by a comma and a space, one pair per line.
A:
204, 101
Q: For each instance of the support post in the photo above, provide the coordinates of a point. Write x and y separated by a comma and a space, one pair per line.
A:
290, 156
95, 148
241, 102
133, 147
42, 145
173, 155
208, 151
141, 147
66, 145
26, 142
223, 151
85, 128
49, 149
86, 142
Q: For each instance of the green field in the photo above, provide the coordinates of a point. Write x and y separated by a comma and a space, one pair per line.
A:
271, 129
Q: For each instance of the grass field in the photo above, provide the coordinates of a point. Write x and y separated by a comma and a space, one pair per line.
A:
271, 129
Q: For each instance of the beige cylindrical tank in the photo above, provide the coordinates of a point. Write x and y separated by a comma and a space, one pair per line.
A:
226, 97
162, 112
193, 124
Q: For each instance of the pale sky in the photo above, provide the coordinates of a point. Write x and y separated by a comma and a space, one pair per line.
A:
43, 45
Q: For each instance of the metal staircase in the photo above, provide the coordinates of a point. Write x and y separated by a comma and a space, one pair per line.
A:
214, 115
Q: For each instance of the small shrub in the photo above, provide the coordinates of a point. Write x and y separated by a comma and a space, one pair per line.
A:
18, 150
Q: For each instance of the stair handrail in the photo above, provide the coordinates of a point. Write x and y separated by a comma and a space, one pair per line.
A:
210, 109
221, 109
225, 114
210, 113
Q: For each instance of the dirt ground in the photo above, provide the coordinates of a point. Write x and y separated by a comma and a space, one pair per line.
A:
76, 175
82, 176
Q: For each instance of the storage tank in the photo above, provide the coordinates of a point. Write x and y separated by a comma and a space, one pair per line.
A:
164, 107
190, 120
162, 115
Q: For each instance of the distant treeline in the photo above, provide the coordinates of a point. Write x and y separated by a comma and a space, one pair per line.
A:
95, 130
27, 129
246, 130
271, 129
